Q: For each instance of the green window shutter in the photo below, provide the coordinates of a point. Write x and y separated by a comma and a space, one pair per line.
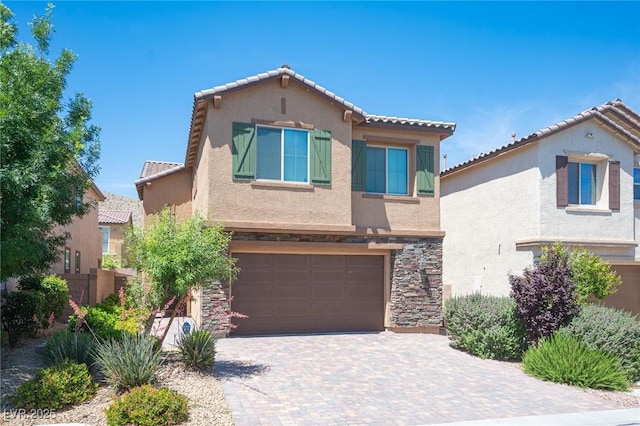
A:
243, 151
425, 170
320, 162
358, 165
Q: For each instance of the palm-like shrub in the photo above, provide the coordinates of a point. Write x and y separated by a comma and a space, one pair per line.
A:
613, 331
198, 349
132, 360
485, 326
564, 359
65, 345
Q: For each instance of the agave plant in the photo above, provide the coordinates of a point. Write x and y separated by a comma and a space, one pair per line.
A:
198, 349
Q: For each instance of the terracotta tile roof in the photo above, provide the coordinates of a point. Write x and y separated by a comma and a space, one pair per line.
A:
113, 216
155, 169
201, 99
372, 119
614, 114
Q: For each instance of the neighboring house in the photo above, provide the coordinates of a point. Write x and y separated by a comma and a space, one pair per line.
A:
82, 251
576, 182
335, 213
114, 225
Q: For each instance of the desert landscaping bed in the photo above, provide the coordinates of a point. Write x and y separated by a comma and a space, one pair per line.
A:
207, 404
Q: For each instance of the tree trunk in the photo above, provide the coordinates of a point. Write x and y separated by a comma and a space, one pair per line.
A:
177, 308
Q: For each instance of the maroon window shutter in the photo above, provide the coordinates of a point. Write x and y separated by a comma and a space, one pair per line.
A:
562, 180
614, 185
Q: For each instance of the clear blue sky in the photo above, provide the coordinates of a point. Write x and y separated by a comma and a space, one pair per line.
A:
492, 68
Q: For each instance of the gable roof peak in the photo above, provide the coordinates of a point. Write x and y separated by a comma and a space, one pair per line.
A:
626, 124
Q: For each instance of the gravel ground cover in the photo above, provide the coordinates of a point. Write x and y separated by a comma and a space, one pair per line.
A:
207, 403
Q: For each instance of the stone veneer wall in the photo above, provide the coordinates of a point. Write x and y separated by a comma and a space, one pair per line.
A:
416, 296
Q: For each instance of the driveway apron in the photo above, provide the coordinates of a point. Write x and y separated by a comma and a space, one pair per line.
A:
379, 379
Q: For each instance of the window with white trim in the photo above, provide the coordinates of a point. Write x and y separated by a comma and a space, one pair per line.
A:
636, 183
282, 154
387, 170
582, 183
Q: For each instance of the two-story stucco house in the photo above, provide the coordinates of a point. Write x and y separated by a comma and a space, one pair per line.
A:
335, 213
575, 182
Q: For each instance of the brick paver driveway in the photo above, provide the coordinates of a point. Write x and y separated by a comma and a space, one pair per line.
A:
379, 378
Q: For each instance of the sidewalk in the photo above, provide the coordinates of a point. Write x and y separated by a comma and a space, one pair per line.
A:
628, 417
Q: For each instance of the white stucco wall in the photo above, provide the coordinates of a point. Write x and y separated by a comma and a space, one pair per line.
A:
484, 211
594, 223
488, 208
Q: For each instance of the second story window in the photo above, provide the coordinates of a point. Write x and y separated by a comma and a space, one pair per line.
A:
282, 154
104, 231
582, 183
386, 170
636, 184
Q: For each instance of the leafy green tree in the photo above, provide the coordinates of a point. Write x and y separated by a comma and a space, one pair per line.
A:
178, 257
49, 150
592, 276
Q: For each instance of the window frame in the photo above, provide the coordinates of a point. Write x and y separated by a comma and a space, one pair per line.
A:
78, 261
386, 171
108, 228
67, 260
636, 183
282, 155
594, 189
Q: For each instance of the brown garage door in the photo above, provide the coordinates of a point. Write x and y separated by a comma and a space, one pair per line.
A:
291, 293
628, 295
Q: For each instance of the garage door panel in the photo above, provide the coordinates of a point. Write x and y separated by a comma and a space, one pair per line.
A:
328, 261
252, 291
290, 260
307, 293
320, 309
355, 291
290, 276
285, 292
628, 295
327, 276
326, 291
290, 308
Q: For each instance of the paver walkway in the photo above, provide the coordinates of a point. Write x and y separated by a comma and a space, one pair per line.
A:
379, 379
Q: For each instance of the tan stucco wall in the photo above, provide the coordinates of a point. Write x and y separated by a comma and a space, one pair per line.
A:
408, 212
117, 235
85, 238
230, 201
173, 190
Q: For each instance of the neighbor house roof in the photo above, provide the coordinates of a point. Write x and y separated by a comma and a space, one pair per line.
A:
615, 115
202, 98
114, 216
155, 169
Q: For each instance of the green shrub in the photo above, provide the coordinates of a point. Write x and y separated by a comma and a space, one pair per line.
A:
128, 362
592, 276
65, 345
22, 314
56, 295
563, 359
110, 261
613, 331
198, 349
30, 283
106, 319
148, 406
485, 326
56, 387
